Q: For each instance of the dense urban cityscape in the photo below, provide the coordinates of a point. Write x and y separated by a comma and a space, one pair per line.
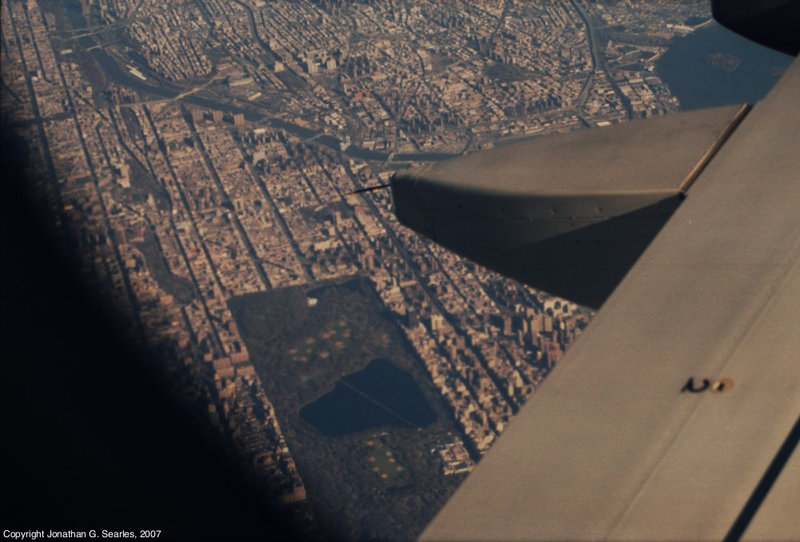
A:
200, 152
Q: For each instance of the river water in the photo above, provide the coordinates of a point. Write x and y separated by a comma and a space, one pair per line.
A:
714, 66
710, 67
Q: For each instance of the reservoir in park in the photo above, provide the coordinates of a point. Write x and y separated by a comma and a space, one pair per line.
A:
379, 395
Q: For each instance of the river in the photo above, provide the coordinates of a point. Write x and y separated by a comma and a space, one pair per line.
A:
714, 66
709, 67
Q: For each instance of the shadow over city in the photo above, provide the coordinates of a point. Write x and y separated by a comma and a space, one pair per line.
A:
93, 436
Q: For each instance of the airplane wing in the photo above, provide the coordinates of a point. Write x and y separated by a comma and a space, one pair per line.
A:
571, 213
675, 415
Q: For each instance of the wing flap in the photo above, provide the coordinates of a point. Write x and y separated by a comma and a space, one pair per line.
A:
568, 214
646, 155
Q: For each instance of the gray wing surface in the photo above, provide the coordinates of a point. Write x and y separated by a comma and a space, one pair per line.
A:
674, 413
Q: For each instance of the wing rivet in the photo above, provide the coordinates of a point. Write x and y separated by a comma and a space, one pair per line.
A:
721, 385
718, 386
